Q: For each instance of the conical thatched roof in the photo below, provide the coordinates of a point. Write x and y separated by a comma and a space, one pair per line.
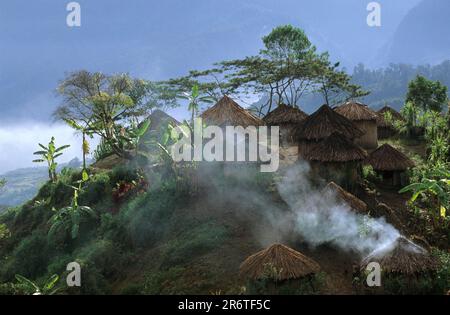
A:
335, 148
159, 119
402, 256
344, 196
285, 114
286, 262
228, 113
386, 158
381, 121
356, 111
323, 123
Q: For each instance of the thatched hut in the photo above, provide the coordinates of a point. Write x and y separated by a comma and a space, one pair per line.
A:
343, 196
159, 121
391, 164
320, 125
227, 112
386, 128
365, 119
336, 159
402, 257
287, 118
278, 263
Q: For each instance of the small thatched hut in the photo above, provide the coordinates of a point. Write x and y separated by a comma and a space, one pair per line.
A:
391, 164
229, 113
402, 257
287, 118
345, 197
386, 128
365, 119
336, 159
159, 121
320, 125
278, 263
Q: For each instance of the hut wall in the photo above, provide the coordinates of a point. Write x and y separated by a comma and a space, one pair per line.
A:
386, 132
344, 174
370, 138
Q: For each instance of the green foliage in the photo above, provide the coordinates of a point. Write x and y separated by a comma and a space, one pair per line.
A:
435, 187
49, 154
48, 288
103, 150
192, 243
69, 218
427, 94
442, 284
109, 106
4, 232
157, 282
30, 257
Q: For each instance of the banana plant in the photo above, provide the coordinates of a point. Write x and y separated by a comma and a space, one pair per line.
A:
32, 288
86, 131
435, 184
194, 99
49, 154
69, 218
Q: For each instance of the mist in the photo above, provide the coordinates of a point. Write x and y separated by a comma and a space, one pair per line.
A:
19, 141
320, 218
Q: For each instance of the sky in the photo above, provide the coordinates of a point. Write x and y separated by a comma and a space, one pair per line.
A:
155, 40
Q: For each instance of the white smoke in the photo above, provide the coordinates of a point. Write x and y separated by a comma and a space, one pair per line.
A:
319, 218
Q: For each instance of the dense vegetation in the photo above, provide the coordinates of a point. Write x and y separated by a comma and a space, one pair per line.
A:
148, 226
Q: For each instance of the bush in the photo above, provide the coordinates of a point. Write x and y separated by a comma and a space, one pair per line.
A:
31, 256
165, 282
193, 243
147, 217
123, 173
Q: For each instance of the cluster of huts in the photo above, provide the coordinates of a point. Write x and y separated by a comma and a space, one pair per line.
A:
281, 265
336, 142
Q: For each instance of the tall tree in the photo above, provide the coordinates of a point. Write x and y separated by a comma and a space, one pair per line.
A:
105, 105
427, 94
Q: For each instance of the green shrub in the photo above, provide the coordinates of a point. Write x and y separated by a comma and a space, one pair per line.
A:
31, 256
165, 282
123, 173
193, 243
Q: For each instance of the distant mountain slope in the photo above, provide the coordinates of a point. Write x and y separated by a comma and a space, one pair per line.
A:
22, 184
422, 36
161, 39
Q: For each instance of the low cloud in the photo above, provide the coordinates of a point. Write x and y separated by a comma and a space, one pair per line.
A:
18, 142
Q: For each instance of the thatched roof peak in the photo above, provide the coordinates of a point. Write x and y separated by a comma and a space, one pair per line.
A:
285, 261
227, 112
356, 111
158, 118
387, 158
344, 196
323, 123
381, 120
402, 256
285, 114
335, 148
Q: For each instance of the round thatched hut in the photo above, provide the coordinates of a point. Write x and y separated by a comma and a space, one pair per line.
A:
320, 125
286, 263
343, 196
365, 119
287, 118
402, 257
227, 112
386, 128
336, 159
391, 164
